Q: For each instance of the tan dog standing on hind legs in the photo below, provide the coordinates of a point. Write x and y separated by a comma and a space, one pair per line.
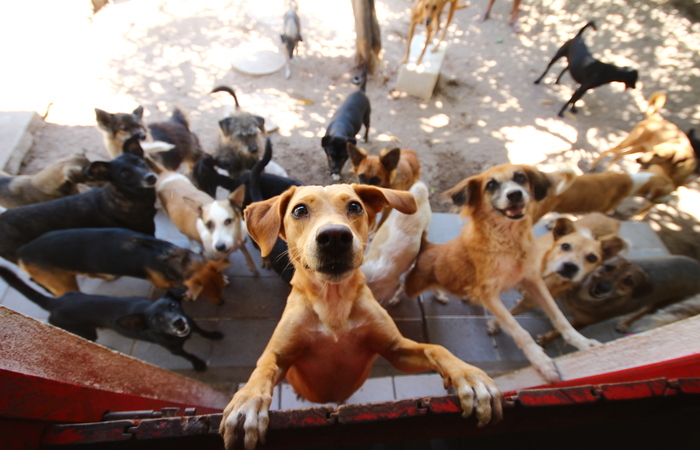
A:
429, 12
332, 329
496, 252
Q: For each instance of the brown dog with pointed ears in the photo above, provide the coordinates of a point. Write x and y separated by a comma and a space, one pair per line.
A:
496, 252
332, 328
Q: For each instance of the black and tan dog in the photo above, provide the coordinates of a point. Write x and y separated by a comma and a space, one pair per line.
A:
292, 34
241, 137
54, 259
174, 134
586, 70
162, 322
57, 180
126, 200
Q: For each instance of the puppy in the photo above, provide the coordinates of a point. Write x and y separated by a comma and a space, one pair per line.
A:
292, 34
57, 180
429, 12
656, 137
173, 142
241, 136
513, 22
162, 322
496, 252
395, 247
118, 127
621, 286
54, 259
215, 225
586, 70
332, 328
127, 200
603, 192
567, 255
345, 124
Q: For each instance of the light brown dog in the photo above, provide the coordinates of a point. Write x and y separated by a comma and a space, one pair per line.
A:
656, 135
429, 12
567, 255
332, 329
54, 181
496, 252
215, 225
603, 192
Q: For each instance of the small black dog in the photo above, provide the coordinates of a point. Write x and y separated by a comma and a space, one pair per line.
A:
586, 70
162, 322
695, 143
127, 200
346, 123
176, 131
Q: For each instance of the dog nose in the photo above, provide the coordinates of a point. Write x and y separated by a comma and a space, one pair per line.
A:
142, 136
335, 238
603, 288
220, 247
569, 270
150, 178
253, 148
515, 196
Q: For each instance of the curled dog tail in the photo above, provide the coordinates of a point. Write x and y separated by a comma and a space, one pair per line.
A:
254, 183
230, 91
657, 100
589, 24
23, 288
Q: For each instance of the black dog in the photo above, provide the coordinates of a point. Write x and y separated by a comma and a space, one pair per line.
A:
586, 70
176, 131
695, 143
127, 200
345, 124
162, 322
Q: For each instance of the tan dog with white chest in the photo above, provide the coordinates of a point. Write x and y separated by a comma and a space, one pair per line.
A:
496, 252
217, 225
332, 329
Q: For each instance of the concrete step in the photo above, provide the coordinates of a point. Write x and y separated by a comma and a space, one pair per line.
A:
17, 130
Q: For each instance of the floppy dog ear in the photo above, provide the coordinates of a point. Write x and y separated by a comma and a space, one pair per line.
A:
226, 126
611, 247
104, 119
376, 198
134, 322
539, 181
237, 197
643, 284
357, 155
390, 158
265, 220
133, 146
562, 227
194, 205
465, 193
98, 170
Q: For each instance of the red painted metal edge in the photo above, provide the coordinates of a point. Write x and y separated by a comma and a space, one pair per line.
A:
689, 386
318, 416
638, 389
557, 396
372, 412
86, 433
443, 404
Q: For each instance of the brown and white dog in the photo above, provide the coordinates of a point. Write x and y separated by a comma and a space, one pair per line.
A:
567, 255
217, 225
395, 247
57, 180
656, 136
496, 252
429, 12
332, 329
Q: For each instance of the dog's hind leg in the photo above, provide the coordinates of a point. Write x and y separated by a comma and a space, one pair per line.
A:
56, 282
560, 53
561, 74
249, 260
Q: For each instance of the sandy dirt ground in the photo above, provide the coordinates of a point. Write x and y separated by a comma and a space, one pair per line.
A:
485, 111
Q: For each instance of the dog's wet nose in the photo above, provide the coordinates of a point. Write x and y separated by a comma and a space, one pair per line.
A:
150, 179
335, 238
142, 136
220, 247
253, 148
602, 288
515, 196
568, 270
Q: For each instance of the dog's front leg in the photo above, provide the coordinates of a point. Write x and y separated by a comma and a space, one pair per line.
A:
537, 289
476, 390
249, 260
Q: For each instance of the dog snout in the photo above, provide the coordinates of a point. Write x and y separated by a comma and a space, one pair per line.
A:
150, 179
221, 247
568, 270
334, 239
515, 195
181, 326
602, 288
142, 136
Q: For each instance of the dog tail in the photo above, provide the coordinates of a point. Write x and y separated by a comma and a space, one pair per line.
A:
23, 288
589, 24
230, 91
254, 183
180, 117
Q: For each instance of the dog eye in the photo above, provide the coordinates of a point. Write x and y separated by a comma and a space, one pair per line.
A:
228, 222
172, 306
565, 247
355, 208
210, 225
300, 211
519, 178
492, 185
592, 258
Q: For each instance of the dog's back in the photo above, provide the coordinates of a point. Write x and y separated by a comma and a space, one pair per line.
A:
176, 131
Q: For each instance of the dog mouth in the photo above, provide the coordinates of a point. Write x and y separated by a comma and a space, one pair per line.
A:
514, 211
180, 327
334, 268
600, 291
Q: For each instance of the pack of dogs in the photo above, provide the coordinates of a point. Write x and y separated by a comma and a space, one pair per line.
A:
345, 249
